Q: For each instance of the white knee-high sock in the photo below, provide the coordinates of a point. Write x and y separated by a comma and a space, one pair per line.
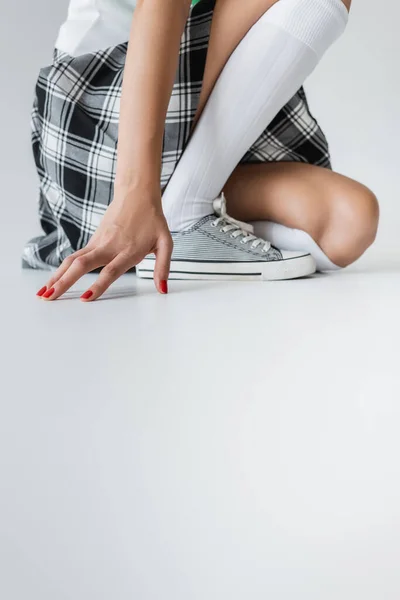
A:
293, 239
262, 75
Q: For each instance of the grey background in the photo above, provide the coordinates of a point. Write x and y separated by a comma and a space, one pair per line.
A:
354, 94
226, 441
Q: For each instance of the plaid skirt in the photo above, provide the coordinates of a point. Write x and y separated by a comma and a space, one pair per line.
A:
75, 131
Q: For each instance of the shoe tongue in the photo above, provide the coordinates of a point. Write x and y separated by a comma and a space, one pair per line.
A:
219, 206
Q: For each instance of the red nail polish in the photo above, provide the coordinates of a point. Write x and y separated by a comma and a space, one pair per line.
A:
87, 295
42, 291
164, 287
49, 293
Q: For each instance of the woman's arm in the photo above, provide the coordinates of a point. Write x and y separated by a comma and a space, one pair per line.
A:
150, 69
134, 225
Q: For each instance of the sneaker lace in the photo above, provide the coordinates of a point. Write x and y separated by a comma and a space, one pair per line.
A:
236, 228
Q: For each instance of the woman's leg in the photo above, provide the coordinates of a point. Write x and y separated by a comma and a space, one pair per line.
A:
334, 212
261, 75
296, 206
232, 20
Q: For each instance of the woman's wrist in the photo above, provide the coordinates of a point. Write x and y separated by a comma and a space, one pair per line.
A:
138, 190
141, 176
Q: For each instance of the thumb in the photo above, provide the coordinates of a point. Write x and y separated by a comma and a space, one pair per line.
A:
163, 261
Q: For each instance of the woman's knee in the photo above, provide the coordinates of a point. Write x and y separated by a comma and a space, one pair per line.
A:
352, 224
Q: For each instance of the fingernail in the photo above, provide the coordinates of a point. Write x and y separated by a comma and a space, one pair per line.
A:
41, 291
87, 295
164, 287
49, 293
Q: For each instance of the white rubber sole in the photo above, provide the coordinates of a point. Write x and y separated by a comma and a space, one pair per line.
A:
275, 270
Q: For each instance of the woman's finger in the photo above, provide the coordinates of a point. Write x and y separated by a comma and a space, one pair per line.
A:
108, 275
65, 265
163, 261
79, 267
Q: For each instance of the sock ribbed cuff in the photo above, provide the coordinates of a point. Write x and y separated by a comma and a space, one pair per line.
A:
317, 23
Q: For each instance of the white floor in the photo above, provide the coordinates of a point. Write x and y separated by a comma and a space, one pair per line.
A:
228, 441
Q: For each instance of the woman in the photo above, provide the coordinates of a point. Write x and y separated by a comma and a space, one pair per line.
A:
219, 108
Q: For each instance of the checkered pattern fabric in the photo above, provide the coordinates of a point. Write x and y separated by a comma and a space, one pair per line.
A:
75, 132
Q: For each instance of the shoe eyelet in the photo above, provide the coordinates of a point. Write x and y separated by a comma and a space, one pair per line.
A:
213, 224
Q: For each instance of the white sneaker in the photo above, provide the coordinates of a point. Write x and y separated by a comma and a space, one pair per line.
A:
219, 247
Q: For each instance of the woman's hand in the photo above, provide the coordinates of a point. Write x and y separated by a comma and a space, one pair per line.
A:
132, 227
134, 224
